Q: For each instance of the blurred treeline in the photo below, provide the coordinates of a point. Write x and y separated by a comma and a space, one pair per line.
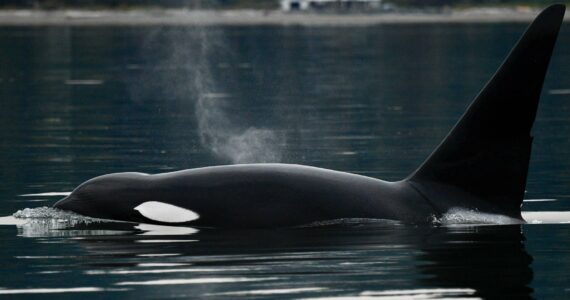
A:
439, 3
53, 4
232, 4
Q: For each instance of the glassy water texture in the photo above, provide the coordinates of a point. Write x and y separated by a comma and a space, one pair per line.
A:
81, 102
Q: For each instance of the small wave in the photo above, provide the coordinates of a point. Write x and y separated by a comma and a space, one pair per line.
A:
559, 92
150, 229
51, 222
539, 200
546, 217
48, 194
45, 212
84, 82
462, 216
351, 222
47, 221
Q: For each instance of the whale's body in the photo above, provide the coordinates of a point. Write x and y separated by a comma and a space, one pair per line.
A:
481, 165
251, 195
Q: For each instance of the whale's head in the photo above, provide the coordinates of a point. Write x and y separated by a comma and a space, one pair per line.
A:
108, 196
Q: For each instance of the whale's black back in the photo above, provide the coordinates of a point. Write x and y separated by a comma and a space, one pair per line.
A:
487, 153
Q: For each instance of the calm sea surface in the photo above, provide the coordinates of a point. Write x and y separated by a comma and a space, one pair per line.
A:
81, 102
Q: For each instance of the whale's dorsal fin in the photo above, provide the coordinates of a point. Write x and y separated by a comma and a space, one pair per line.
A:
487, 153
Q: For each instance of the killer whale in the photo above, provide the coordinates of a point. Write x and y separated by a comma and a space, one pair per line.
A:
481, 165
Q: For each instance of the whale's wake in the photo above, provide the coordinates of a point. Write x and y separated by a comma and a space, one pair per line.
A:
46, 221
51, 222
53, 214
462, 216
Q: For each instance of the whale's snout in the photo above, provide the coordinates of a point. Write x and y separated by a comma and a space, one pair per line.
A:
96, 197
65, 203
74, 203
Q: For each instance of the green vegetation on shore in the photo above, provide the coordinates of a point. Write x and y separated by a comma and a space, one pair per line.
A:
438, 3
126, 4
245, 4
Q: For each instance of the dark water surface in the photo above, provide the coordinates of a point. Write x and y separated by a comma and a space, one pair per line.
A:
81, 102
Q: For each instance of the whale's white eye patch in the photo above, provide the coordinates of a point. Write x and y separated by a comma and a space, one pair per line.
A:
167, 213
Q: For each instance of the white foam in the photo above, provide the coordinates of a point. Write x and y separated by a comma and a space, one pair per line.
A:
45, 212
462, 216
46, 221
194, 281
167, 213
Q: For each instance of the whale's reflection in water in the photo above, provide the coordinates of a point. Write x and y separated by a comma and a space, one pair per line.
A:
370, 260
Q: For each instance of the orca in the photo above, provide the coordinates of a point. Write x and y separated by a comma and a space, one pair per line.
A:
481, 165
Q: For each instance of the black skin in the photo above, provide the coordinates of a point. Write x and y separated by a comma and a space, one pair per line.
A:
481, 165
252, 195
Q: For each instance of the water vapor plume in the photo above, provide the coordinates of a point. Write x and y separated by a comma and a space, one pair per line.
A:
230, 141
218, 134
190, 72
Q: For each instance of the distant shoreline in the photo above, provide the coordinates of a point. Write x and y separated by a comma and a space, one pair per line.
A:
165, 17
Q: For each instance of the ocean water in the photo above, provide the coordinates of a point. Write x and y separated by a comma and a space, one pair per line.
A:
77, 102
